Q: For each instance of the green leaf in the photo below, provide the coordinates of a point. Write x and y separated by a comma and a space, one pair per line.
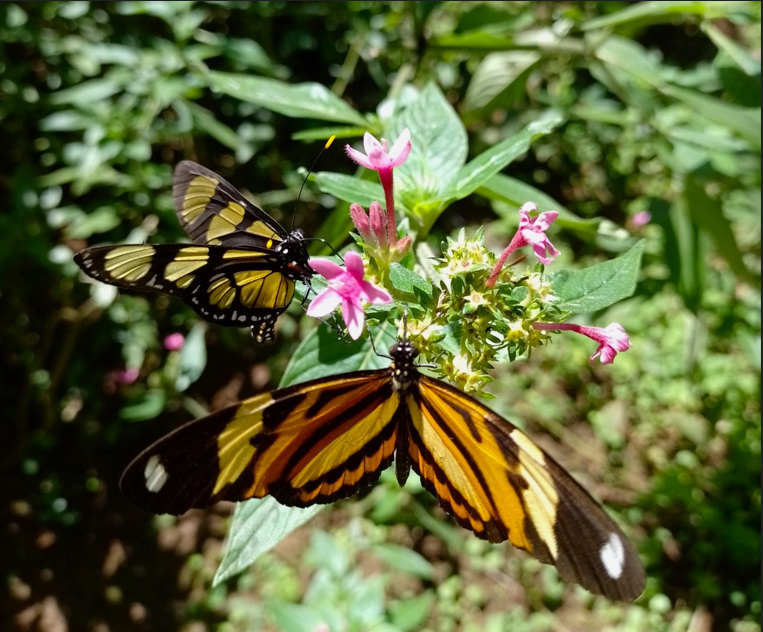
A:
324, 133
404, 559
741, 57
490, 162
304, 100
598, 286
259, 524
499, 81
323, 353
707, 213
349, 188
99, 221
205, 122
663, 11
149, 405
439, 146
193, 357
744, 121
408, 282
411, 614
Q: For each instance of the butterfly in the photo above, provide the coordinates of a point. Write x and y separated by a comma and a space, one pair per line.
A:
240, 269
326, 439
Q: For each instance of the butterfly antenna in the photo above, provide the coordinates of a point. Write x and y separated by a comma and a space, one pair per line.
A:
323, 241
320, 153
373, 346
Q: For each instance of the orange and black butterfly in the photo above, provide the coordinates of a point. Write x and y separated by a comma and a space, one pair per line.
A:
328, 438
240, 269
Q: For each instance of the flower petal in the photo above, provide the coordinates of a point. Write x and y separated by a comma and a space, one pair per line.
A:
327, 269
352, 313
325, 303
400, 149
354, 264
374, 294
371, 143
358, 157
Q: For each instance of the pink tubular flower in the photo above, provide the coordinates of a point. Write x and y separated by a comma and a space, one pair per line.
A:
611, 338
346, 287
377, 233
174, 342
379, 159
124, 377
641, 218
532, 232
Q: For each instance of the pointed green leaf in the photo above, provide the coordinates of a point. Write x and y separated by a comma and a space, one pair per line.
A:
349, 188
407, 282
304, 100
489, 163
598, 286
664, 11
707, 213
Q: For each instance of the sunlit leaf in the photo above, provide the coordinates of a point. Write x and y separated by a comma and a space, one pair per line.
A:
600, 285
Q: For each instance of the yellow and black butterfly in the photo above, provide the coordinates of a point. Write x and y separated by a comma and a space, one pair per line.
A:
326, 439
240, 270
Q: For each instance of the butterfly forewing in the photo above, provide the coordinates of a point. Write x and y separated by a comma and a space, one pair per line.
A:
214, 212
312, 443
495, 481
223, 285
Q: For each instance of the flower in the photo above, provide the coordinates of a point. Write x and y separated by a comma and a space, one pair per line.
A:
377, 234
532, 232
124, 377
641, 218
346, 287
174, 342
611, 338
377, 158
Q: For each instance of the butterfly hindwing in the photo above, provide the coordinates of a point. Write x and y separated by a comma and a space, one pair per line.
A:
212, 211
311, 443
227, 286
496, 482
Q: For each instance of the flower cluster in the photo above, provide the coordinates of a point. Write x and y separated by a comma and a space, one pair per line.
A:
481, 309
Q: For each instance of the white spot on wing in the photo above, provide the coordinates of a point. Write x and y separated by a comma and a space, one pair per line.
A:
155, 474
612, 555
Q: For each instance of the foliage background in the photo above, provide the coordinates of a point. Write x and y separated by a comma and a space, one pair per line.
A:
661, 102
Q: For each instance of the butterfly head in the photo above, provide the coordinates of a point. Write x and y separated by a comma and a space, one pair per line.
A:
403, 369
293, 252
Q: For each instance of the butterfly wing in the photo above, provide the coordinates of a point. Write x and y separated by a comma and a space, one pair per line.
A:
306, 444
226, 286
214, 212
495, 481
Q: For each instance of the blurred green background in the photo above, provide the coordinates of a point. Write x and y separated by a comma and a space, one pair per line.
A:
98, 101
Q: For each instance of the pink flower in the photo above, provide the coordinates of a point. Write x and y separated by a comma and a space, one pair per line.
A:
174, 342
611, 338
376, 231
377, 158
346, 287
125, 377
532, 232
641, 219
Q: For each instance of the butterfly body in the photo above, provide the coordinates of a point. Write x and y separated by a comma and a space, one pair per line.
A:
240, 269
327, 439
